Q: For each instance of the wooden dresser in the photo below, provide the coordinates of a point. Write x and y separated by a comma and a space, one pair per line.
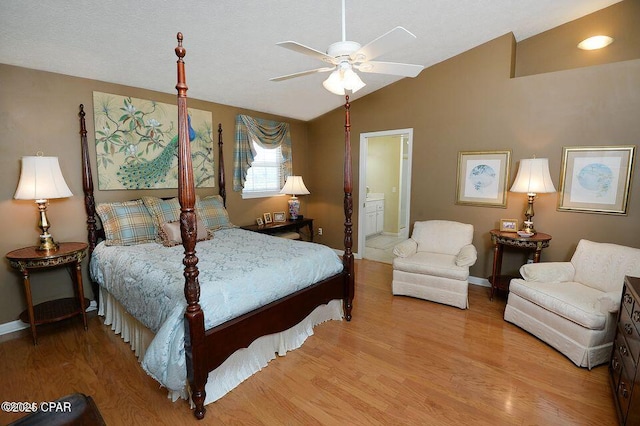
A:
624, 358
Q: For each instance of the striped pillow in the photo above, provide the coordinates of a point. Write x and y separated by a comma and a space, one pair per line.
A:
126, 223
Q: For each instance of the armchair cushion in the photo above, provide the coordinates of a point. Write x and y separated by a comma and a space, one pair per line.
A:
467, 256
548, 272
405, 248
434, 264
571, 300
442, 236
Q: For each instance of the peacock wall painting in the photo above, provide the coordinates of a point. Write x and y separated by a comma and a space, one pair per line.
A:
137, 143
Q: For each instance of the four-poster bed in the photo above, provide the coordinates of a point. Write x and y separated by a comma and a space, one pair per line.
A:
206, 348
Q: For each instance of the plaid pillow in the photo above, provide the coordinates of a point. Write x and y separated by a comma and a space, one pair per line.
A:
162, 211
212, 212
126, 223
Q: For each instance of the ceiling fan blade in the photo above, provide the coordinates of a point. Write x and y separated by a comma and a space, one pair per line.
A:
305, 50
392, 68
302, 73
387, 42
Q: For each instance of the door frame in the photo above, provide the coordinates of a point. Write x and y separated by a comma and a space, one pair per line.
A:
362, 187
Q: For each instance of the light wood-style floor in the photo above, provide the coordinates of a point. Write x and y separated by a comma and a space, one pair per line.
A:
400, 361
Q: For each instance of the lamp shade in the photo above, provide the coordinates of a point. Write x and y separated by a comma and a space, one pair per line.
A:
294, 186
533, 177
41, 179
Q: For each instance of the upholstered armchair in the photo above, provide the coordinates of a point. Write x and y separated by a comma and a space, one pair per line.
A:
434, 263
572, 306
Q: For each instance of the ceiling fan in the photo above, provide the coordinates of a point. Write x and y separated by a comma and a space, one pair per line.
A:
345, 56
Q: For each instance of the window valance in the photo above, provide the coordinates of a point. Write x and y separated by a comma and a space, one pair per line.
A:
269, 135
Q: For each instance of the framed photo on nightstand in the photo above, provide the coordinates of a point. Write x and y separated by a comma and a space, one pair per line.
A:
279, 217
267, 218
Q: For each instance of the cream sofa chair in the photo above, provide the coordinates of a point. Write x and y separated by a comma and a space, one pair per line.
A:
573, 305
434, 263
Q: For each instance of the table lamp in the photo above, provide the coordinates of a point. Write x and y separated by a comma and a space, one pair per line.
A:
42, 180
294, 186
532, 178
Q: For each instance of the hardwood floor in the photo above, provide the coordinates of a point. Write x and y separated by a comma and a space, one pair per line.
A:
399, 361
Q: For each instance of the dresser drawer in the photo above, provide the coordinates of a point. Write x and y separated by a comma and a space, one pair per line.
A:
628, 328
623, 393
625, 354
615, 365
627, 300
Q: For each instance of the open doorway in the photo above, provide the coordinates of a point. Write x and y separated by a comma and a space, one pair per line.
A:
384, 193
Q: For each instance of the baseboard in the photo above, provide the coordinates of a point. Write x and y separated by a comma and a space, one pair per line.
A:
483, 282
17, 325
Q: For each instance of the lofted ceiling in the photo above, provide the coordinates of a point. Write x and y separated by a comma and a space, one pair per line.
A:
231, 44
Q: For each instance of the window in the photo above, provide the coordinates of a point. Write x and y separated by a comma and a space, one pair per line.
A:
265, 176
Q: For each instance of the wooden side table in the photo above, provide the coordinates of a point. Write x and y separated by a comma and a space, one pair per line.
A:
277, 227
500, 239
27, 259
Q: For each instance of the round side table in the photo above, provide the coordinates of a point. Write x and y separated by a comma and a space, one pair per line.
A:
500, 239
29, 259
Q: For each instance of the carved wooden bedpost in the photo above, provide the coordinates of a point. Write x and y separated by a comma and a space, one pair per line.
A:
347, 258
221, 183
87, 188
194, 317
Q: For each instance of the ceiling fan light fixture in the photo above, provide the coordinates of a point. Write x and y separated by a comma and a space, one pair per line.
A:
352, 81
343, 78
595, 42
333, 83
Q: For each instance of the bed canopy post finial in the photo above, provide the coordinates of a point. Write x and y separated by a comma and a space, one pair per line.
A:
347, 258
221, 182
194, 317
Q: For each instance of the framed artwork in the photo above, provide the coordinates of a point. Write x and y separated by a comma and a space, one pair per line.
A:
482, 178
596, 179
259, 221
509, 225
137, 143
279, 217
267, 218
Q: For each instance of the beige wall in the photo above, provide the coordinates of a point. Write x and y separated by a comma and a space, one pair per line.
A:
383, 175
470, 102
39, 112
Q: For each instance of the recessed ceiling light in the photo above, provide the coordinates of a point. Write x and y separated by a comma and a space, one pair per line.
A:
595, 42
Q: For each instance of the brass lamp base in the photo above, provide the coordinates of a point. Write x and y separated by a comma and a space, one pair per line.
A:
528, 227
46, 240
47, 243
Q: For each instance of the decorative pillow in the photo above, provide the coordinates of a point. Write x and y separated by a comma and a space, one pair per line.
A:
126, 223
212, 212
170, 233
162, 211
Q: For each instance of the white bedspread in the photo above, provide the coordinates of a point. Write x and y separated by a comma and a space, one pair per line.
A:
239, 271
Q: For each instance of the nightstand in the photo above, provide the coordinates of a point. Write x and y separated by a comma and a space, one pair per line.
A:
28, 259
275, 228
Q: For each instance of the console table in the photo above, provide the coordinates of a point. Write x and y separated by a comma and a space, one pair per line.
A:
500, 239
275, 228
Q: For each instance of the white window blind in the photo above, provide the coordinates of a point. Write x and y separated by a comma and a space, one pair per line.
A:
264, 177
